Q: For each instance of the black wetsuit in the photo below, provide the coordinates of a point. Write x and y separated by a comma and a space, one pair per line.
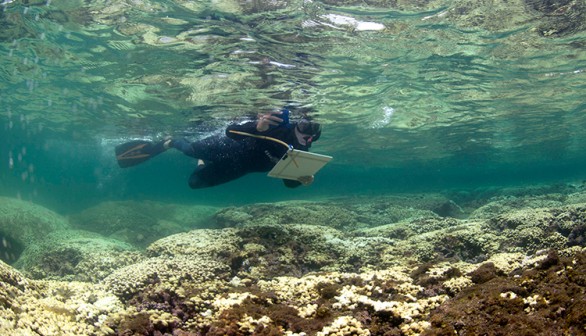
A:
230, 156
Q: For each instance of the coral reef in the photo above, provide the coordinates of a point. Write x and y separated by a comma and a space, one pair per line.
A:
27, 223
141, 223
517, 266
76, 255
547, 300
343, 213
31, 307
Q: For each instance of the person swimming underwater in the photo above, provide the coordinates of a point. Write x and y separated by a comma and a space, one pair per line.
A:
229, 156
223, 158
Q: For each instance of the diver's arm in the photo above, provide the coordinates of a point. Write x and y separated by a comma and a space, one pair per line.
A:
248, 127
265, 121
261, 125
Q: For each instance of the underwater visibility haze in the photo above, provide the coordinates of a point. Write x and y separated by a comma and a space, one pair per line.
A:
457, 130
411, 94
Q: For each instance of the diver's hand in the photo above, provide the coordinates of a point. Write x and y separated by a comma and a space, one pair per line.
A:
306, 180
267, 120
167, 144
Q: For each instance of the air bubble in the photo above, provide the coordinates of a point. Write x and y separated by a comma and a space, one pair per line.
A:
30, 84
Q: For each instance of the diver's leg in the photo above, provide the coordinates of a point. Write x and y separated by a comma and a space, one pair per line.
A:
182, 145
211, 174
214, 148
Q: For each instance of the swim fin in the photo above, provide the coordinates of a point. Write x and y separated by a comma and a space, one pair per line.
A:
134, 152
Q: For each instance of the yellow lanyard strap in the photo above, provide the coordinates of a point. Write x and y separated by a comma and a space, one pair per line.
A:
264, 137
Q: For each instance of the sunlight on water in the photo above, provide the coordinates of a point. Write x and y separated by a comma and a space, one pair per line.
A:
396, 85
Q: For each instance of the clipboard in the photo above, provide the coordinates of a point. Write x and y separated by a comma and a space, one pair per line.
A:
296, 163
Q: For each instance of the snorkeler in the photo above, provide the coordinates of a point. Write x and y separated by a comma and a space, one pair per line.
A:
245, 148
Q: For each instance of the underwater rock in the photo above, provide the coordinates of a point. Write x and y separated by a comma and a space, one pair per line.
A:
24, 224
503, 204
342, 213
288, 213
270, 274
402, 207
575, 198
543, 300
170, 272
141, 223
74, 255
14, 25
53, 308
408, 228
559, 18
260, 251
531, 230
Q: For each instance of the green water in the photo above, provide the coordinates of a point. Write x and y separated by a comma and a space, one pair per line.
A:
413, 95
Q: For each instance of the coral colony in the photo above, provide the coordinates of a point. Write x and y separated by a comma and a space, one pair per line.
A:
408, 265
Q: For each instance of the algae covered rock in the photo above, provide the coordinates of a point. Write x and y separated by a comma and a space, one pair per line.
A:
559, 17
531, 230
343, 214
76, 255
141, 223
261, 251
130, 280
384, 265
536, 301
23, 224
505, 204
272, 250
53, 308
309, 213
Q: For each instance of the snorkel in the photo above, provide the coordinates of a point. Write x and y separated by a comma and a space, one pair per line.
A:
284, 115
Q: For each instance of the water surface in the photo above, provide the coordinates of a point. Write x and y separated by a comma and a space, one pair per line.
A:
413, 95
